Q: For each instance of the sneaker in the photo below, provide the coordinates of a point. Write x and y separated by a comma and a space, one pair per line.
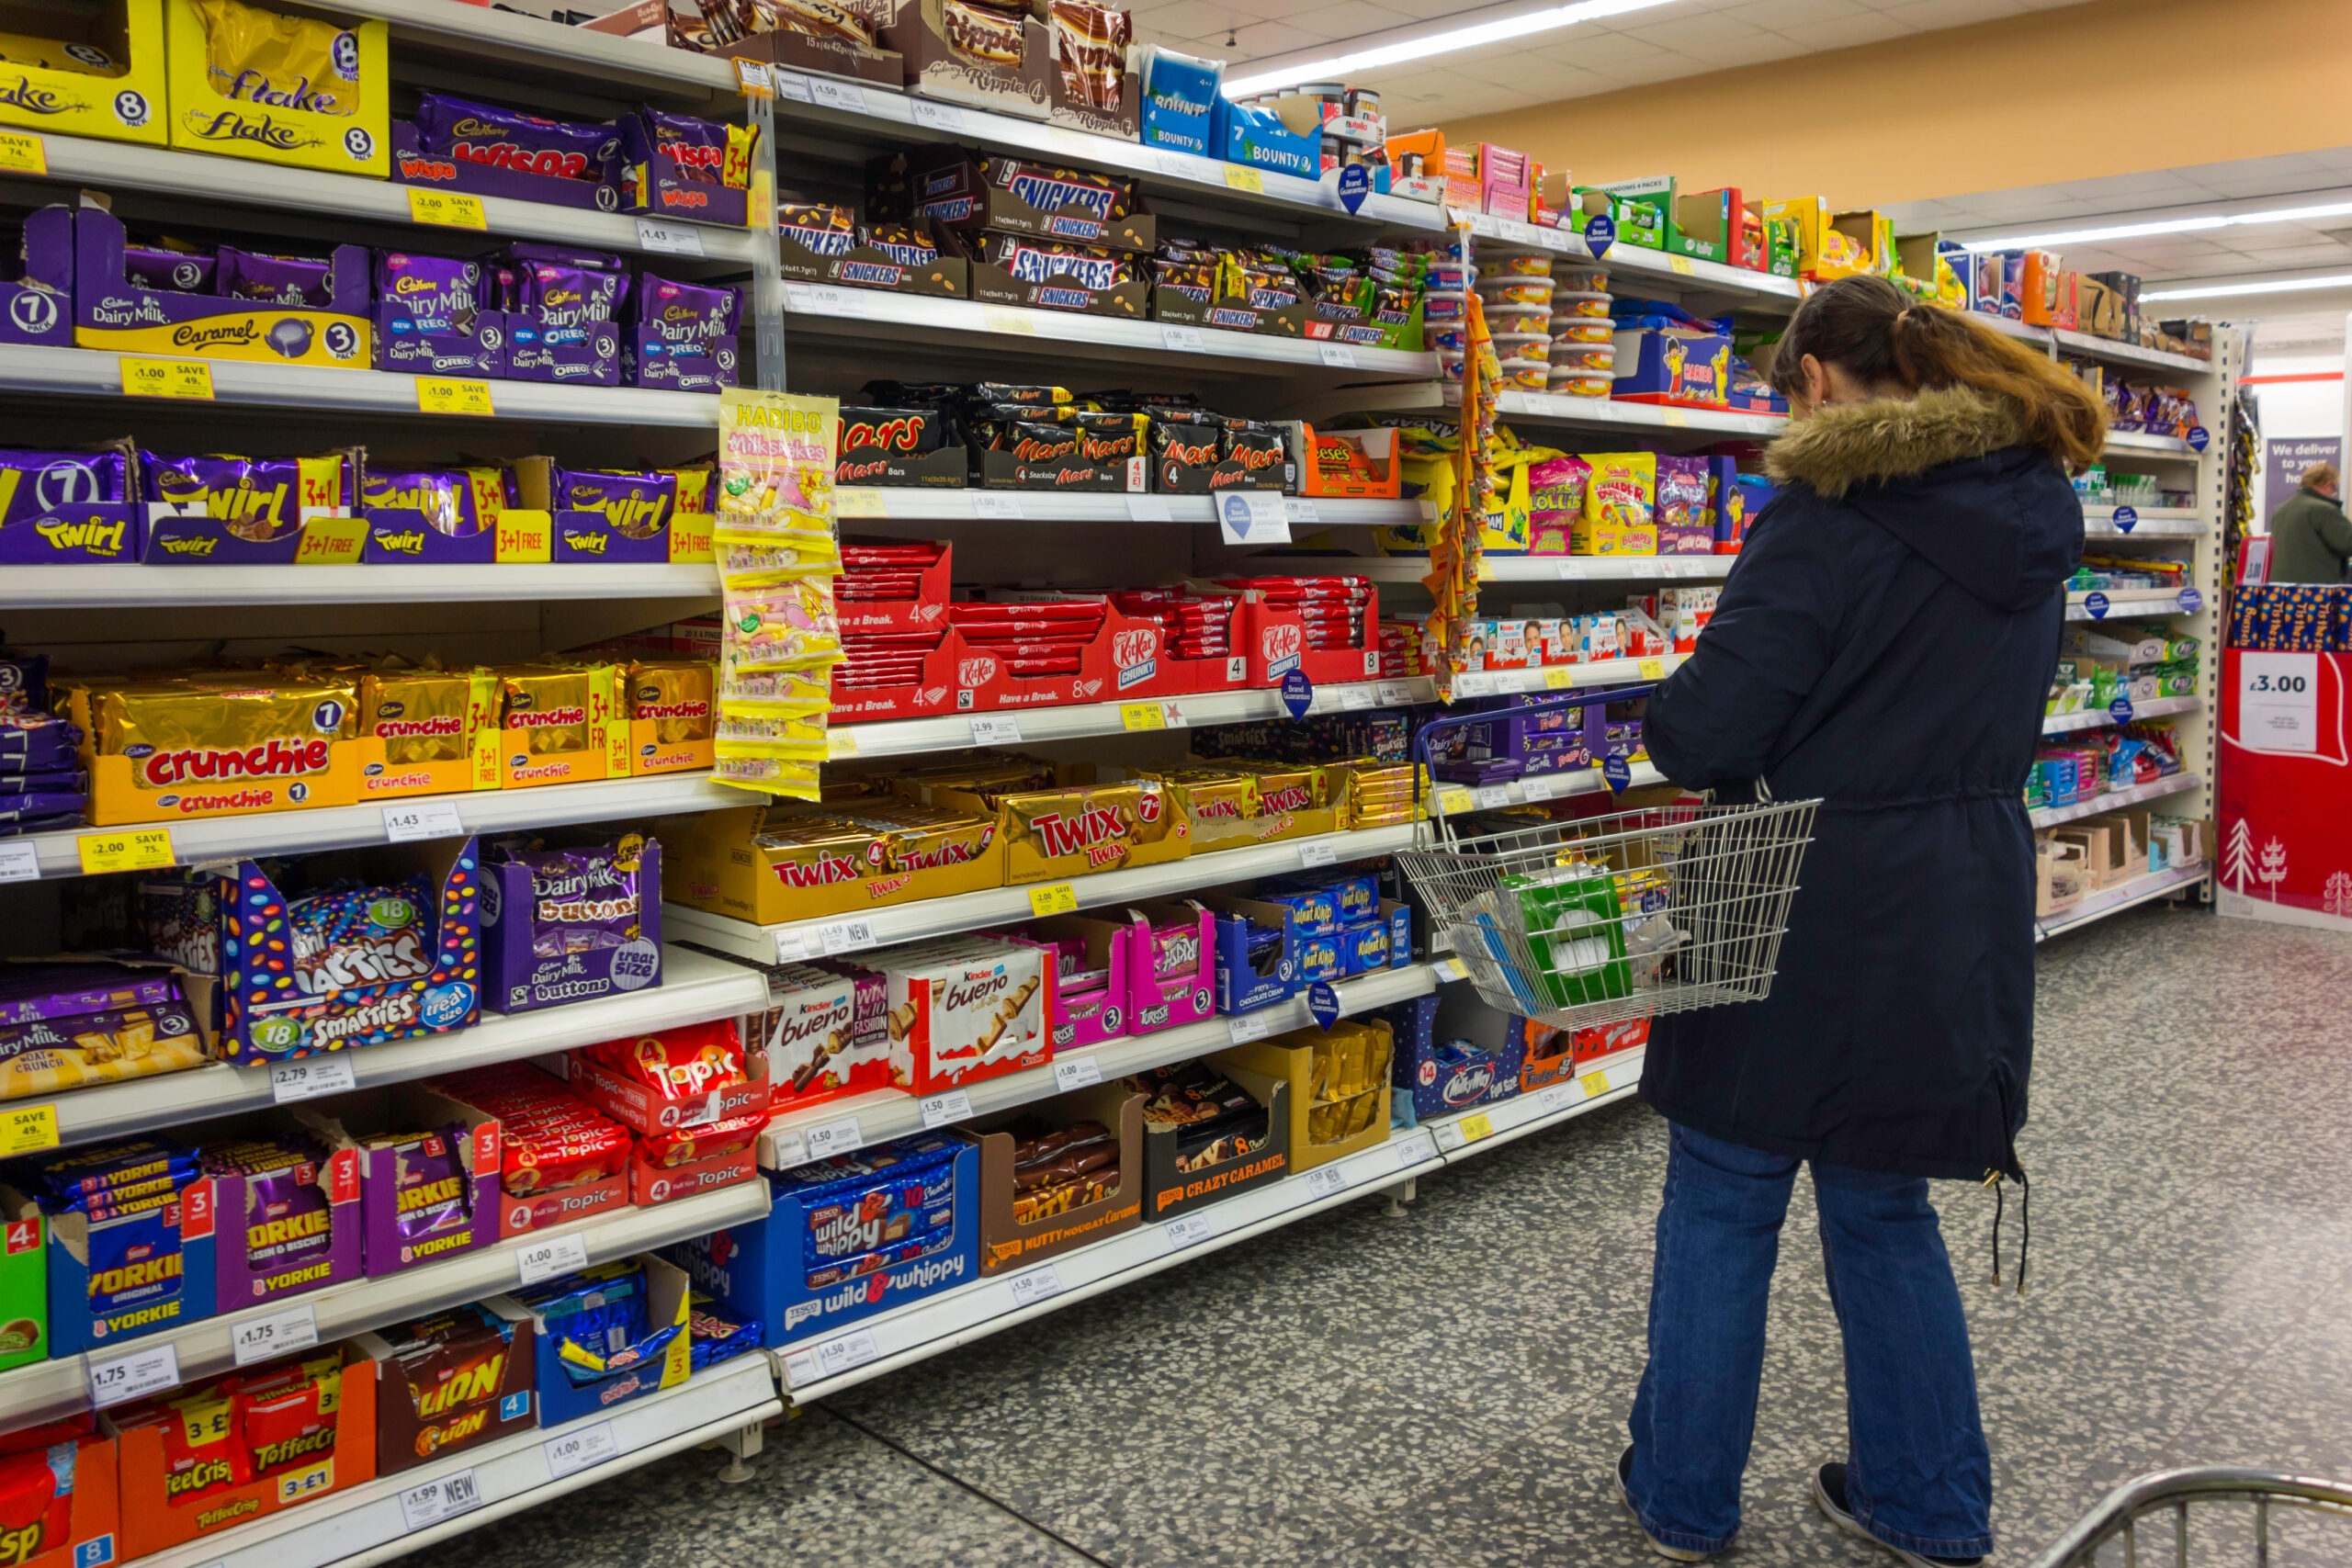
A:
1830, 1496
1671, 1554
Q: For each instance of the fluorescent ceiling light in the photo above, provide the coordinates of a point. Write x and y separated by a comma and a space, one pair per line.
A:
1341, 67
2161, 226
2276, 285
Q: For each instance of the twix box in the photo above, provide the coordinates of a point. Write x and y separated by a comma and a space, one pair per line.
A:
1056, 833
963, 1010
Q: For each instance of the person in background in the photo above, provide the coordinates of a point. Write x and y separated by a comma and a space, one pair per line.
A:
1884, 645
2310, 537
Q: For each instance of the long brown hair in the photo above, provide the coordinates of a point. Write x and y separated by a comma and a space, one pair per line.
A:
1877, 334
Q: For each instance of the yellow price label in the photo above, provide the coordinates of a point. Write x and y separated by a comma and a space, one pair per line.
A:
524, 538
1054, 899
1653, 669
839, 743
1476, 1127
1559, 679
857, 501
132, 849
1004, 320
446, 208
1486, 569
1239, 176
436, 395
1595, 1085
1143, 716
330, 541
1676, 419
22, 154
1682, 265
1451, 801
166, 379
753, 80
24, 1128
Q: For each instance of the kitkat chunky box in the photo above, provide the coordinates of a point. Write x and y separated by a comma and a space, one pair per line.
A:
90, 71
345, 950
285, 89
848, 1237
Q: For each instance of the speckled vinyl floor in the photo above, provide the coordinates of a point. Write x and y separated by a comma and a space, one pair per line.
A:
1449, 1388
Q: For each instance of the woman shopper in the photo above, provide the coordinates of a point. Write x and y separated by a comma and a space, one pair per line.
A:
1886, 643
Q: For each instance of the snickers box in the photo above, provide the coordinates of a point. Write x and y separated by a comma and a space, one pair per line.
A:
819, 244
1047, 275
970, 193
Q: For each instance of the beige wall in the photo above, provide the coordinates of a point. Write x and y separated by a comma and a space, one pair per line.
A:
2110, 87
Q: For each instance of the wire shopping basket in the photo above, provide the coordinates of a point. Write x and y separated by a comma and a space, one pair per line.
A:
1635, 913
2145, 1523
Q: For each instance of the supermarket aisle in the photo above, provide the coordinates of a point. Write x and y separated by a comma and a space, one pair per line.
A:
1449, 1388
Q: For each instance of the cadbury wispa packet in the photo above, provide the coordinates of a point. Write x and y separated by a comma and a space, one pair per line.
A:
704, 150
507, 139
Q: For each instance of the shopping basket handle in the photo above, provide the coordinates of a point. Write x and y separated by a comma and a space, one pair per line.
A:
1599, 695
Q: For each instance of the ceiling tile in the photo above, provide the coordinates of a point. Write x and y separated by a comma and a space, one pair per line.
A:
1846, 32
1351, 19
1598, 51
1930, 14
1682, 32
1259, 40
1780, 15
1756, 48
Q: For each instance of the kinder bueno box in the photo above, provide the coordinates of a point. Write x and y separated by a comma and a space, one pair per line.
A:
963, 1010
846, 1238
330, 325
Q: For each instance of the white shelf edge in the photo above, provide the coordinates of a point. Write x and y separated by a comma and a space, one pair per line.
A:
47, 1390
907, 737
2123, 895
1682, 272
695, 987
2099, 718
924, 1328
1495, 568
96, 372
1554, 786
1005, 327
362, 1526
345, 826
92, 587
893, 1113
2146, 445
855, 504
2051, 816
896, 924
2128, 603
208, 177
1516, 1116
1599, 672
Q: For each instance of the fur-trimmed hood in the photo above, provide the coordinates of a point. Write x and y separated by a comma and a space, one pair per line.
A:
1845, 445
1950, 474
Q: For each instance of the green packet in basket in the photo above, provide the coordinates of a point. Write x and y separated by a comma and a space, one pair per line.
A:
1575, 931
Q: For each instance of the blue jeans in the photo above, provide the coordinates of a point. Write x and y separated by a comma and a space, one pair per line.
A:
1917, 1475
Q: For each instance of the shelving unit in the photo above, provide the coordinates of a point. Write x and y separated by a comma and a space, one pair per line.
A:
2099, 718
366, 1524
888, 1113
348, 827
1003, 906
50, 1391
2176, 881
2050, 816
905, 737
107, 587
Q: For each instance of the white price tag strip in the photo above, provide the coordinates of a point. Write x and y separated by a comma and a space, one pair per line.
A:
312, 1076
1001, 731
791, 947
1149, 509
18, 862
793, 86
1558, 1095
1182, 339
945, 117
846, 936
1191, 1228
670, 239
996, 508
833, 1138
1395, 694
1338, 355
423, 819
437, 1500
1312, 856
1492, 796
133, 1376
846, 96
578, 1451
1323, 1182
845, 1351
279, 1334
1544, 786
1249, 1026
539, 1260
939, 1110
1298, 511
1076, 1072
1034, 1285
